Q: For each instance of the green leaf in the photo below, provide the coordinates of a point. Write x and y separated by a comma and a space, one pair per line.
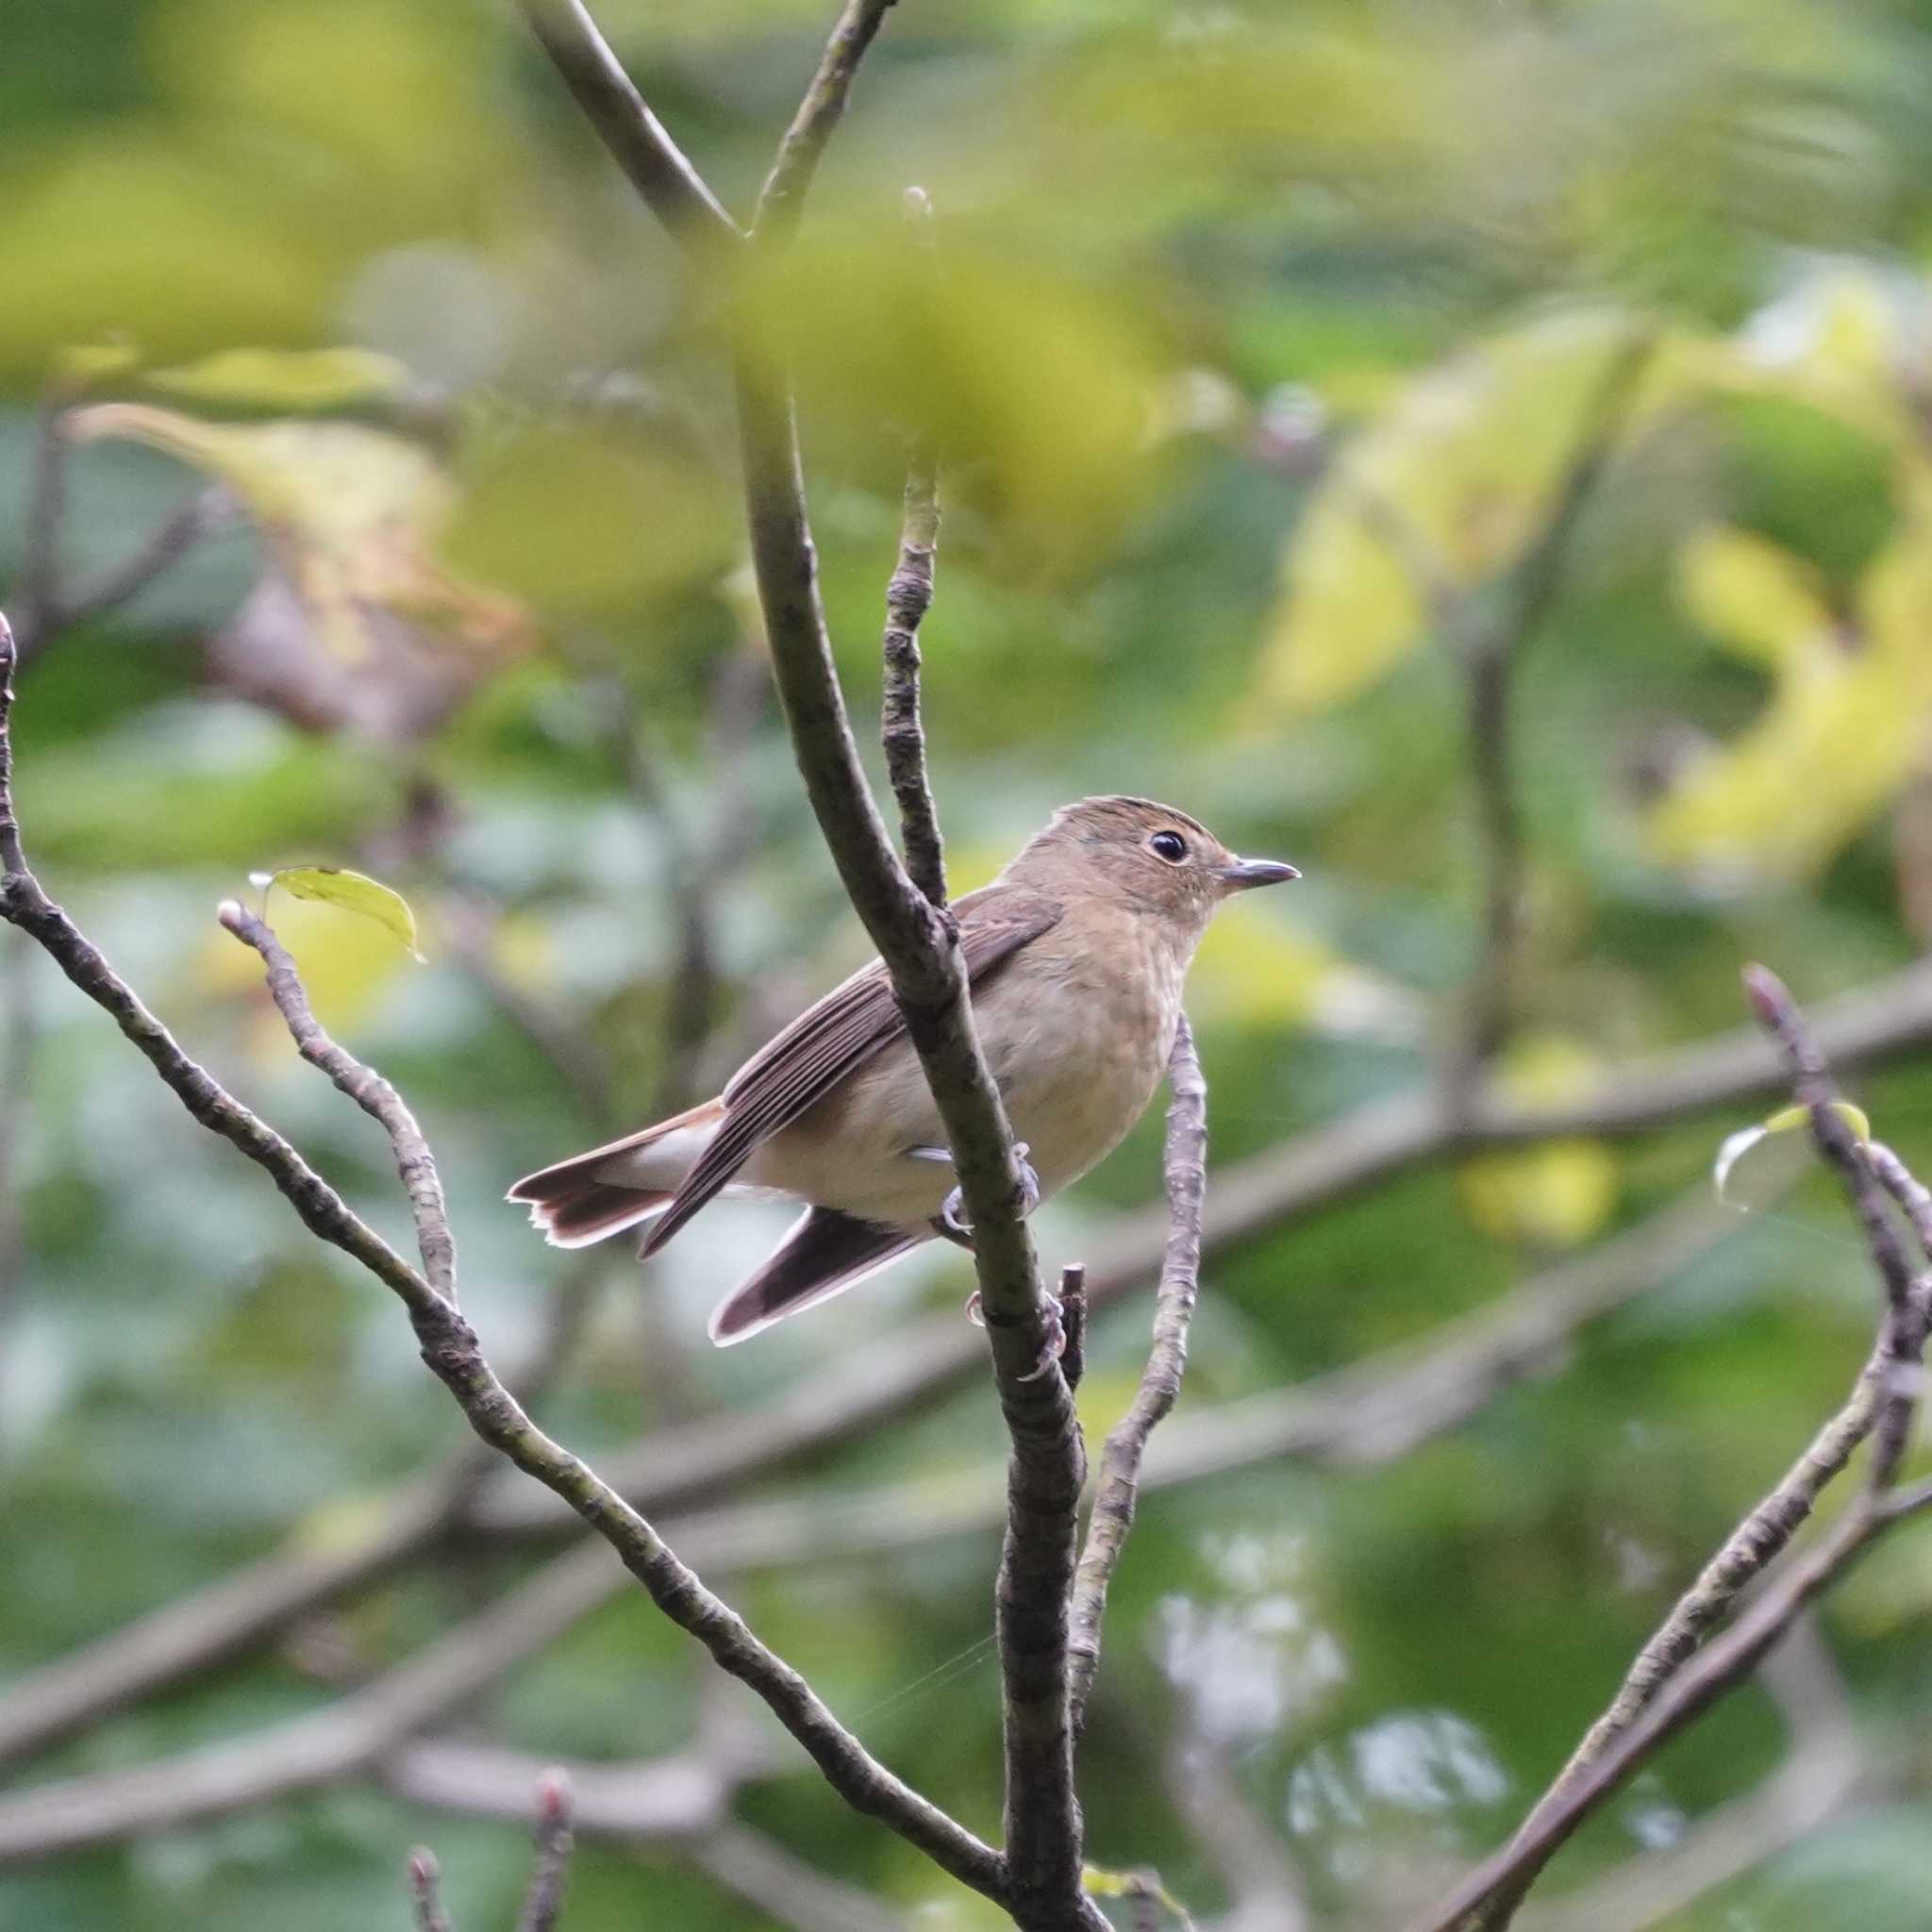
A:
354, 891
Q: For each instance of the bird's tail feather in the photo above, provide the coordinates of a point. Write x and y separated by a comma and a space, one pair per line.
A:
594, 1213
594, 1195
825, 1253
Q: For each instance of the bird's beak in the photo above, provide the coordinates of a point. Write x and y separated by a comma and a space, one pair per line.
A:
1244, 873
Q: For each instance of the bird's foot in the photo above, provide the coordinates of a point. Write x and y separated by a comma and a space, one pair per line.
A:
950, 1223
1055, 1343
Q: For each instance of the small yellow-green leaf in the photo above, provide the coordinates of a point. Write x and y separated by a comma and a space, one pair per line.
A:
1735, 1146
283, 379
354, 891
1099, 1883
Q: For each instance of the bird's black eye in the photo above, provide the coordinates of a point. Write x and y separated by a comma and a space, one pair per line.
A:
1170, 846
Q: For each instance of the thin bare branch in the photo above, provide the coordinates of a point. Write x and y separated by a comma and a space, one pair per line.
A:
661, 1801
168, 544
415, 1163
639, 142
907, 597
1812, 1085
1674, 1679
451, 1350
1826, 1769
426, 1895
544, 1899
306, 1752
1112, 1514
1073, 1322
782, 199
1493, 633
920, 948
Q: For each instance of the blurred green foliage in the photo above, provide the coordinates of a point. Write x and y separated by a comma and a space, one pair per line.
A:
1212, 280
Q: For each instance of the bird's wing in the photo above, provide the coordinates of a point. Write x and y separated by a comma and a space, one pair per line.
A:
832, 1038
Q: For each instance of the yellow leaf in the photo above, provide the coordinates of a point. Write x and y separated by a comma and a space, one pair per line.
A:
354, 891
1751, 593
1442, 494
348, 966
357, 623
1260, 972
1843, 731
1557, 1193
284, 379
1554, 1195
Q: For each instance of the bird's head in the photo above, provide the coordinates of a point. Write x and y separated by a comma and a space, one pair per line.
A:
1158, 860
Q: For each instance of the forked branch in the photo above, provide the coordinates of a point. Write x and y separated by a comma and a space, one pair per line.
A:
1684, 1668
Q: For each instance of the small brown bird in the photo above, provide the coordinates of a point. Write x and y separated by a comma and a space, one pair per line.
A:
1075, 955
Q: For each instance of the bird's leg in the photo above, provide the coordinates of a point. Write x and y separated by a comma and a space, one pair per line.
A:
1055, 1332
949, 1223
949, 1226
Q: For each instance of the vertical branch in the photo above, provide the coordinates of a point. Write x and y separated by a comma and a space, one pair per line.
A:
782, 199
13, 872
1492, 639
16, 1092
907, 597
544, 1899
1112, 1514
1499, 832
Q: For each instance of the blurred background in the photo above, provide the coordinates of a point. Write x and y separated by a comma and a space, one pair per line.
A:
1477, 451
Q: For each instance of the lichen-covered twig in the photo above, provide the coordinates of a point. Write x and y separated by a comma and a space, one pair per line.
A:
908, 595
1114, 1501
